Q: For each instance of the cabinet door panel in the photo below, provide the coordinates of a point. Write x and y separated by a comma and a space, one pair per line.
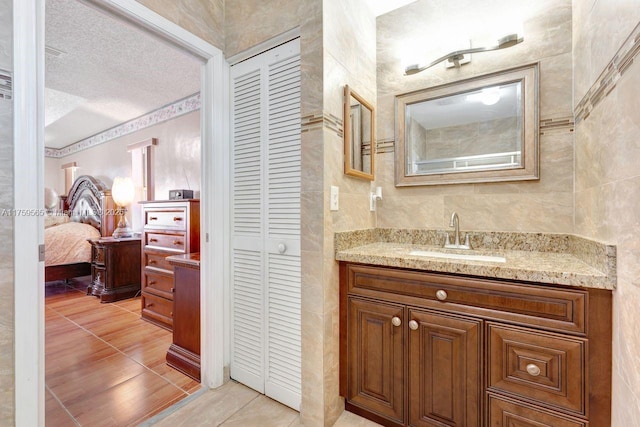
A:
444, 370
376, 358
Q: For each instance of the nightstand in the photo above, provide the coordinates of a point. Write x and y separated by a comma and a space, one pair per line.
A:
115, 268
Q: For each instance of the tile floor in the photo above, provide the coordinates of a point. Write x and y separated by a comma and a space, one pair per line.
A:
104, 366
98, 375
234, 405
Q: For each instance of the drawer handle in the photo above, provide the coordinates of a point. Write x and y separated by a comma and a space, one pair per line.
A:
149, 305
153, 240
413, 325
177, 242
153, 218
173, 290
152, 282
441, 295
153, 261
396, 321
533, 370
177, 218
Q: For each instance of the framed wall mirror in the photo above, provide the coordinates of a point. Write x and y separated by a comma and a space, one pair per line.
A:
359, 141
483, 129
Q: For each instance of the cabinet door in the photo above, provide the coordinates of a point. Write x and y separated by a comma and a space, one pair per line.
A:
444, 370
376, 358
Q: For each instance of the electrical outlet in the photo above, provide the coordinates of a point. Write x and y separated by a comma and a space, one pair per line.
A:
335, 197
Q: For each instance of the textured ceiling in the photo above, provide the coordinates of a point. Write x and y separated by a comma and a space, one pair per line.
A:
109, 73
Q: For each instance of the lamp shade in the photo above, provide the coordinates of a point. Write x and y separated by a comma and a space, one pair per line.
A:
122, 191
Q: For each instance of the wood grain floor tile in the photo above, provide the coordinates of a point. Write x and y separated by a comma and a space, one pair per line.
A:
56, 415
103, 363
126, 403
93, 377
132, 304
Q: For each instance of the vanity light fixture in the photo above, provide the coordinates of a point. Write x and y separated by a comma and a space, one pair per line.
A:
456, 57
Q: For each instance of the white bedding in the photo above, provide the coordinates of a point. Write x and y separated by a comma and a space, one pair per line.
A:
67, 243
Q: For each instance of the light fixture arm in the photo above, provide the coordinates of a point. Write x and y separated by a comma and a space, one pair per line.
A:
457, 55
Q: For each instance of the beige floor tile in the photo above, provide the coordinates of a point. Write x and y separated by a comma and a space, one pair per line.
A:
212, 408
348, 419
262, 412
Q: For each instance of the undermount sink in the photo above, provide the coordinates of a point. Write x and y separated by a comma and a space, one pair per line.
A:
466, 257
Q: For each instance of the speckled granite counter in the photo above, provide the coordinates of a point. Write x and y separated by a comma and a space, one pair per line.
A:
562, 259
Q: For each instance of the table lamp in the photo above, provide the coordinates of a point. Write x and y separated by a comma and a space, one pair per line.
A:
122, 192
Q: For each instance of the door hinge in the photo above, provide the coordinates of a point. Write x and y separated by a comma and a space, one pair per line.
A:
41, 253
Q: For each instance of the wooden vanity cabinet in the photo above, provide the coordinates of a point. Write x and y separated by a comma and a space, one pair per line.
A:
434, 349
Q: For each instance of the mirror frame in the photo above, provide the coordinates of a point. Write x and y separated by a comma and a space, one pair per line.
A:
348, 170
529, 170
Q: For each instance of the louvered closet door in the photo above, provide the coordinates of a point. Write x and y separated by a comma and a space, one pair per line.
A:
265, 307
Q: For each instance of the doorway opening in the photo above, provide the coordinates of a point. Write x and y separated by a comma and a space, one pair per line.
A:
29, 171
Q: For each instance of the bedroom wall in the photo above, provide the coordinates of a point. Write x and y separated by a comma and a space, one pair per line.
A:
176, 160
6, 226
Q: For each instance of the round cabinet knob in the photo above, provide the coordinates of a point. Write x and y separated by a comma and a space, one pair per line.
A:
396, 321
282, 248
441, 295
413, 325
533, 370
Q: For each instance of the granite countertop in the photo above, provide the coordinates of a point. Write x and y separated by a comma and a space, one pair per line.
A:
544, 258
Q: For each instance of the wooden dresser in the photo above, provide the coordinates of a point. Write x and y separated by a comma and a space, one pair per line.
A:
115, 267
170, 228
184, 353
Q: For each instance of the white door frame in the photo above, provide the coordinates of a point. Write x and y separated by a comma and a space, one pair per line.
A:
28, 48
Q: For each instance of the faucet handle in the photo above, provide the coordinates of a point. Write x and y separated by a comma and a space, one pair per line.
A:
466, 241
446, 239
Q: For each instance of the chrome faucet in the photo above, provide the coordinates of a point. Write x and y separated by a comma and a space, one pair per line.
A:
455, 222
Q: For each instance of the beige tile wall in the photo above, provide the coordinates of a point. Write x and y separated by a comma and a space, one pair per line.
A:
204, 18
349, 31
6, 227
420, 30
607, 196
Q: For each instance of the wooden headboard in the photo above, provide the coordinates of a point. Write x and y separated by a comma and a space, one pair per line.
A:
89, 201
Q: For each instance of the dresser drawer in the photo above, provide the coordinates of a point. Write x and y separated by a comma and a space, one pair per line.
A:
158, 284
547, 369
505, 413
157, 309
97, 254
171, 242
157, 261
540, 306
169, 218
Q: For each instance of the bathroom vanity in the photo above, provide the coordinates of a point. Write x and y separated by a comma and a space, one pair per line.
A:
427, 346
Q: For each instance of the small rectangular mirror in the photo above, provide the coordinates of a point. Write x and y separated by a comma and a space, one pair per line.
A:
359, 142
478, 130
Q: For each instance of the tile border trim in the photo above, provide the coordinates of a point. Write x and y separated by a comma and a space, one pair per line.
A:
607, 80
171, 111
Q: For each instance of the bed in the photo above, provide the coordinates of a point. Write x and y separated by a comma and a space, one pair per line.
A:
89, 212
